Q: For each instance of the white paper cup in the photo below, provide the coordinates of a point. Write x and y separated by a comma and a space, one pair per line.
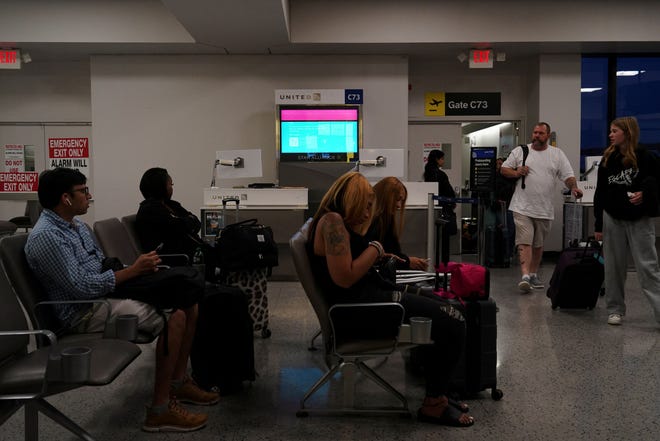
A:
420, 330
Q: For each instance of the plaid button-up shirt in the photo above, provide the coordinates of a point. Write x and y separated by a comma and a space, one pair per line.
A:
67, 262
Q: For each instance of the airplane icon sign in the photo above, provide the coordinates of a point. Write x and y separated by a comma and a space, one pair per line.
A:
434, 104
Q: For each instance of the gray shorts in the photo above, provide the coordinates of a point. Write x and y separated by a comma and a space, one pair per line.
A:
149, 319
531, 231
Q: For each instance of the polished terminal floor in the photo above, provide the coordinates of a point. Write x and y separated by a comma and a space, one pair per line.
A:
566, 375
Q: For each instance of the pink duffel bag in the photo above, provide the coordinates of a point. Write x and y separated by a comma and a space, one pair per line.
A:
468, 281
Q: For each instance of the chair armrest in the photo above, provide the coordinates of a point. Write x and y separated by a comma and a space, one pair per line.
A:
21, 221
63, 302
175, 259
52, 338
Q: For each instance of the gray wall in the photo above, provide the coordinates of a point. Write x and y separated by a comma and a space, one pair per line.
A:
176, 111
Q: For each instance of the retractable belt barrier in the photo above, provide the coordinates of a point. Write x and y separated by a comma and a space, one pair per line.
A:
447, 200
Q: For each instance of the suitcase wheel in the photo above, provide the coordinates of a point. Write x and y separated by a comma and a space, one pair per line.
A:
496, 394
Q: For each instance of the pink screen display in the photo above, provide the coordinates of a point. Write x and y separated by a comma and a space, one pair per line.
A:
319, 115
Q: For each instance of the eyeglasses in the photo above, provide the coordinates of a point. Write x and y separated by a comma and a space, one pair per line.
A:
84, 190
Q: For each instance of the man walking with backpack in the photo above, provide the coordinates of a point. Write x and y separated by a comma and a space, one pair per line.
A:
538, 166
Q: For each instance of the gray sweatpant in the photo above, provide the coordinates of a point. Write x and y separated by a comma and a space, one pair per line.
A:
638, 236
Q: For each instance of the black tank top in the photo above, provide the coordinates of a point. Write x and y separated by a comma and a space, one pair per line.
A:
365, 290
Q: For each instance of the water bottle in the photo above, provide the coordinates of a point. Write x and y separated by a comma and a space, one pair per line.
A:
198, 260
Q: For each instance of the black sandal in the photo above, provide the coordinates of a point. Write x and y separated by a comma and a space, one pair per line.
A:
463, 407
450, 417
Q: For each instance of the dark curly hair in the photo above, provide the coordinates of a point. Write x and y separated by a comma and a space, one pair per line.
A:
153, 184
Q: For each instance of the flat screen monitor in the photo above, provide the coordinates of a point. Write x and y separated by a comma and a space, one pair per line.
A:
330, 133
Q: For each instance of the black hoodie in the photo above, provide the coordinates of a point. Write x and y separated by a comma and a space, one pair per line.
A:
615, 182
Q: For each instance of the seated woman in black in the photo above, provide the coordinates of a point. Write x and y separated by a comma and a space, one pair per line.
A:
387, 225
163, 220
341, 257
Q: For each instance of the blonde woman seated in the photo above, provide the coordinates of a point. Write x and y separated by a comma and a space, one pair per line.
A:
387, 225
341, 258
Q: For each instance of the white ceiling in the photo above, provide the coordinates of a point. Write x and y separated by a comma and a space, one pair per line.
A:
76, 29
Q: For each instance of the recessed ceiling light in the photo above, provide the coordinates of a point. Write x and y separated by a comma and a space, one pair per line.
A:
629, 73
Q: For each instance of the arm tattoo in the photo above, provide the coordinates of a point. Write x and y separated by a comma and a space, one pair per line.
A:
335, 238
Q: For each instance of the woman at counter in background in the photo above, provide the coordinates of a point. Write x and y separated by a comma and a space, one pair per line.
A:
163, 220
433, 173
387, 224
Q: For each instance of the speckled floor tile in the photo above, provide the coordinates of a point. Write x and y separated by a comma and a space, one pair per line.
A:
566, 375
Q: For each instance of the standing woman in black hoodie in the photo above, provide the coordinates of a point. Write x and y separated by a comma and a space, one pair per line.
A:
626, 198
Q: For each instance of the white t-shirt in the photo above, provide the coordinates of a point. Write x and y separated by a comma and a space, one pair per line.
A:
545, 167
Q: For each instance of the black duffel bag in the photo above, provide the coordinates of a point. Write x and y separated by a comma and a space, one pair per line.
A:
246, 245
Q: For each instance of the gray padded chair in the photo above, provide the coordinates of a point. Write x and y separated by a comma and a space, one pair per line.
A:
34, 298
32, 212
129, 224
115, 241
28, 377
349, 338
119, 239
7, 228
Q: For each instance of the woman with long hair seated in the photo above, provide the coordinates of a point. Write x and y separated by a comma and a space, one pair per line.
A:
387, 225
342, 257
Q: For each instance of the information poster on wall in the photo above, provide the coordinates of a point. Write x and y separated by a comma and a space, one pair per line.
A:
18, 174
69, 152
482, 169
442, 146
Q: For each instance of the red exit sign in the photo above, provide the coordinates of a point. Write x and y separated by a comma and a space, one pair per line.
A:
481, 59
10, 59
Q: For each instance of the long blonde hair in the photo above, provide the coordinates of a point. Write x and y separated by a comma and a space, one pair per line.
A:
349, 196
630, 129
387, 217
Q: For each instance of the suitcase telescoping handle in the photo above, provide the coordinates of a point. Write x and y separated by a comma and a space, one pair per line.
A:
225, 201
592, 243
441, 241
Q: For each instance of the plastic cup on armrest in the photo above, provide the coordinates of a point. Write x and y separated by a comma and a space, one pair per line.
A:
126, 327
420, 330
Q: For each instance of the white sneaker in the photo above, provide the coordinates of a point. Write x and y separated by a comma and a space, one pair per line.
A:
524, 285
614, 319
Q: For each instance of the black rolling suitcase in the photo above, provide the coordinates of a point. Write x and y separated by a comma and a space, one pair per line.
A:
498, 248
578, 277
253, 283
222, 354
477, 368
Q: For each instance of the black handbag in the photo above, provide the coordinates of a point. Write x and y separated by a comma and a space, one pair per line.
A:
179, 287
246, 245
451, 226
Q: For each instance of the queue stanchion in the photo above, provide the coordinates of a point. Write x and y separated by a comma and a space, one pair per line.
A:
431, 219
430, 226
